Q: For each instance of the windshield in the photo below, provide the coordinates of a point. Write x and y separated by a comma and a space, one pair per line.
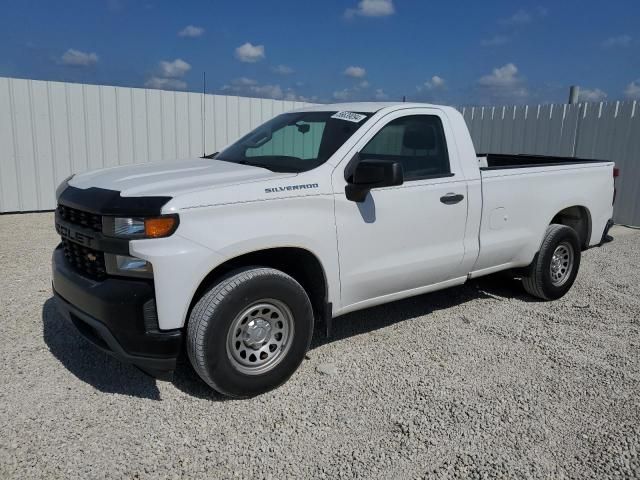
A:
294, 142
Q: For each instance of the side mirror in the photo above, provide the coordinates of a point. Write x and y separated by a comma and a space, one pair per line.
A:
369, 174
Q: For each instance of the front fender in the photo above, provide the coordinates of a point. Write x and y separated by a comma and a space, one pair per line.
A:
210, 236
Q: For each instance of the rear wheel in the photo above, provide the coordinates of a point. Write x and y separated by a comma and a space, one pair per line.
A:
250, 332
556, 265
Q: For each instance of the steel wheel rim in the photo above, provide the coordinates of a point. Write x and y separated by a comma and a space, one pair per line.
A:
561, 264
260, 336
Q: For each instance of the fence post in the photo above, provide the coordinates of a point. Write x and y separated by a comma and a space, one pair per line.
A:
574, 93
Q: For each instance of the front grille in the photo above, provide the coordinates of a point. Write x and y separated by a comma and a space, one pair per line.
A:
81, 218
85, 260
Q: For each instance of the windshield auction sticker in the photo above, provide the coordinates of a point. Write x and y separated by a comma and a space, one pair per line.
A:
349, 116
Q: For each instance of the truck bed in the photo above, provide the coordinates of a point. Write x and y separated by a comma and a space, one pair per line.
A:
496, 161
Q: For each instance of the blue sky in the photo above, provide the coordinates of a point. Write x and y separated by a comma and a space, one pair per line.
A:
440, 51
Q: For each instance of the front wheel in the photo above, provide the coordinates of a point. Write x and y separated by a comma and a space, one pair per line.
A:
250, 332
556, 265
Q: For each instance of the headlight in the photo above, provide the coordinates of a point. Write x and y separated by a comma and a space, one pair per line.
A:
128, 227
127, 266
134, 227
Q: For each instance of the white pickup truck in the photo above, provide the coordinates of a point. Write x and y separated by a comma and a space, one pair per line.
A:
316, 213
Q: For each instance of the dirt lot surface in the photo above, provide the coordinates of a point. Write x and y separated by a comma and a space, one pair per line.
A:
480, 381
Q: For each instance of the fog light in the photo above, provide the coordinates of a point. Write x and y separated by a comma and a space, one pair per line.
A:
127, 266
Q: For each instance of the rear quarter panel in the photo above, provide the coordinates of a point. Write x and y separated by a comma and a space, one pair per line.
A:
518, 205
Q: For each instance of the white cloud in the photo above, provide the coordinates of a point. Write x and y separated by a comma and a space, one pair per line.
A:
244, 81
522, 17
363, 84
619, 41
342, 94
435, 83
78, 58
633, 90
506, 76
191, 31
267, 91
282, 70
174, 69
380, 95
504, 84
355, 72
495, 41
250, 53
169, 75
595, 95
290, 94
371, 8
519, 18
244, 86
165, 83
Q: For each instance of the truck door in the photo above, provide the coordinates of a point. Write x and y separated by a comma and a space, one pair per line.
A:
404, 237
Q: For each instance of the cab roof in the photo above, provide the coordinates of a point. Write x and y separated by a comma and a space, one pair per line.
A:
364, 107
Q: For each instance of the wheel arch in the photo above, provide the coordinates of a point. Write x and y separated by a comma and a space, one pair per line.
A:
577, 217
299, 263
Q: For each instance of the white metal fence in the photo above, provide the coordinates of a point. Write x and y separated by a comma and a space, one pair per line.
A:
50, 129
604, 131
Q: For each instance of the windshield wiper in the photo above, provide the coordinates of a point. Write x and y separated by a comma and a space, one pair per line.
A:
211, 156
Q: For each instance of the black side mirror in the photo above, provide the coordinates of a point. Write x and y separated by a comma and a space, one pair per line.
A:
370, 174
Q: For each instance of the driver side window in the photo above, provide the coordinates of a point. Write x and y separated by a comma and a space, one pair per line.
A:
417, 142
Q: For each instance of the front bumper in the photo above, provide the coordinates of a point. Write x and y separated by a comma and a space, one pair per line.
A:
118, 316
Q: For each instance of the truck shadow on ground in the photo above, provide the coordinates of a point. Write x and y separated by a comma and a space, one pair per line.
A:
89, 364
109, 375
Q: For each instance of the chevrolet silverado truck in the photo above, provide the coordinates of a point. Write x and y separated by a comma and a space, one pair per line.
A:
318, 212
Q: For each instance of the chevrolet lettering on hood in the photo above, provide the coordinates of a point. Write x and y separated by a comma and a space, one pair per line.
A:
290, 188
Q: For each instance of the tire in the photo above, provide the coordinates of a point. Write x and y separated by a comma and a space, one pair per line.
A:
549, 278
248, 333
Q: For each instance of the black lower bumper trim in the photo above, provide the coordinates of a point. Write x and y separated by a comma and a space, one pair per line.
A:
99, 335
111, 315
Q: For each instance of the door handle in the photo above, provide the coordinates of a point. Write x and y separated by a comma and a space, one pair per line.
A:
452, 198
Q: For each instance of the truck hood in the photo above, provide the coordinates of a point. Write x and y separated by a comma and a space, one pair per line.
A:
173, 179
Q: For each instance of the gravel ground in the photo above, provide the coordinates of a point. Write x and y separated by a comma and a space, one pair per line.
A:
479, 381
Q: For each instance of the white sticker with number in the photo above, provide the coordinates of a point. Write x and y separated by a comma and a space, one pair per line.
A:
349, 116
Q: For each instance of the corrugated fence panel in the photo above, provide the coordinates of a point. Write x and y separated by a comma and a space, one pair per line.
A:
49, 130
168, 122
60, 132
42, 138
153, 104
141, 125
9, 192
627, 153
519, 123
125, 126
109, 129
220, 122
208, 126
607, 131
93, 126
